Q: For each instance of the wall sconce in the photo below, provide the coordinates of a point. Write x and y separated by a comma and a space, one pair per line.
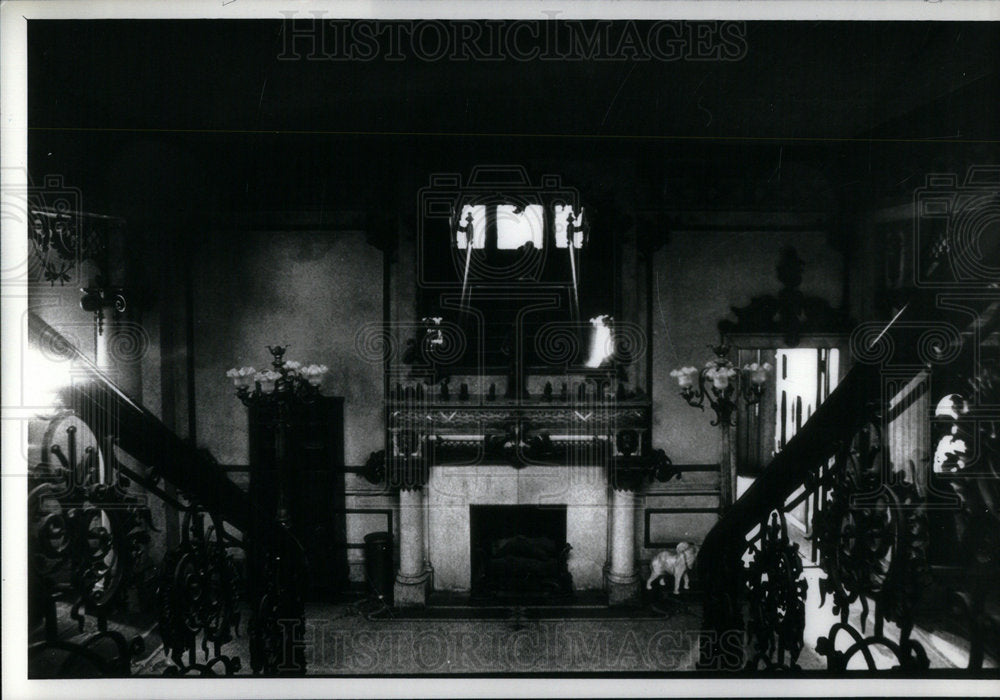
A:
722, 382
62, 239
96, 299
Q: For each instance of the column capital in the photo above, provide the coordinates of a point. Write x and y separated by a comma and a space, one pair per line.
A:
408, 473
403, 472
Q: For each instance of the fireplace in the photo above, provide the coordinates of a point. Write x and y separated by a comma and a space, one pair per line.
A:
519, 554
551, 455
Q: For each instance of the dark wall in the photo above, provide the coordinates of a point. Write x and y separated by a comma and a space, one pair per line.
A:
310, 290
698, 276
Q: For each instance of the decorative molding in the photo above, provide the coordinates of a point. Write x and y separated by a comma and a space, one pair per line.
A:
387, 512
789, 313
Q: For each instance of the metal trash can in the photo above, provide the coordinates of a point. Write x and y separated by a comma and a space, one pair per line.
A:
378, 565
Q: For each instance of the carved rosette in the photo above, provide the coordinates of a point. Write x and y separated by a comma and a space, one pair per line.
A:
198, 594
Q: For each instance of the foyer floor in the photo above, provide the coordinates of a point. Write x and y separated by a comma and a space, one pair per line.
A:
361, 638
358, 639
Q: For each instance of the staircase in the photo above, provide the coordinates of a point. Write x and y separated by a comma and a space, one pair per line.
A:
115, 576
899, 570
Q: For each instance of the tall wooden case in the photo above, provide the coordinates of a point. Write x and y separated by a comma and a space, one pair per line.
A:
315, 483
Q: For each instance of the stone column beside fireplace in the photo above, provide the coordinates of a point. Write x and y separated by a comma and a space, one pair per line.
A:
623, 579
413, 578
570, 455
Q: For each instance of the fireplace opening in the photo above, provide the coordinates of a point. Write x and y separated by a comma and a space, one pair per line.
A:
519, 554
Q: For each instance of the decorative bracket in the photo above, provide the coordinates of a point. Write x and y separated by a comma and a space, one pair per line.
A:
96, 299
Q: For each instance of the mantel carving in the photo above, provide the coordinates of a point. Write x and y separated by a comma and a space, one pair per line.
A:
516, 434
789, 313
599, 419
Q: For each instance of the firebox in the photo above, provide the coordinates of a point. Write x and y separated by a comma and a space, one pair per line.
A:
519, 554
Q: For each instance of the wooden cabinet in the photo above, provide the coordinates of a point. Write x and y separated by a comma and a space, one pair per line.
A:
315, 483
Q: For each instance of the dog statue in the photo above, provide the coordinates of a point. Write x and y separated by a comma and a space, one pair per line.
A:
677, 563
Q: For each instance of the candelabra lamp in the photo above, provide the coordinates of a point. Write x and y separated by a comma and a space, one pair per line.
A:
722, 383
287, 382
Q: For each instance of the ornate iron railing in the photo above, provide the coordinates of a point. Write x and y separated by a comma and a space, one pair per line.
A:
872, 530
966, 468
95, 551
869, 529
871, 533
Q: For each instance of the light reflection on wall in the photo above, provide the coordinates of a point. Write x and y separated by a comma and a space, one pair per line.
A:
601, 346
44, 375
517, 226
561, 216
476, 216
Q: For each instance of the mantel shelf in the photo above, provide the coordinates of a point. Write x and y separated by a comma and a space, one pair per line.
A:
579, 420
504, 404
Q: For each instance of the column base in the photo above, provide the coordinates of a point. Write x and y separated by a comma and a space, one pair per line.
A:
411, 591
623, 590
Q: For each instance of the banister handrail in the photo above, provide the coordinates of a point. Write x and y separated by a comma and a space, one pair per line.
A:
142, 435
841, 414
720, 561
837, 455
276, 559
866, 517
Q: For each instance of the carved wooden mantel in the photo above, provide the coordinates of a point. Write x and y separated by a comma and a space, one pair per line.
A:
519, 432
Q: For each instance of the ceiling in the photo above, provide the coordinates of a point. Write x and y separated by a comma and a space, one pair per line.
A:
797, 79
120, 86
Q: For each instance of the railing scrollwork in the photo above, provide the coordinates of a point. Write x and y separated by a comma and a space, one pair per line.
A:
87, 544
869, 527
871, 533
106, 474
198, 596
776, 592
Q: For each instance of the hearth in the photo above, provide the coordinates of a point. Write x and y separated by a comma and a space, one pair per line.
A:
519, 554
